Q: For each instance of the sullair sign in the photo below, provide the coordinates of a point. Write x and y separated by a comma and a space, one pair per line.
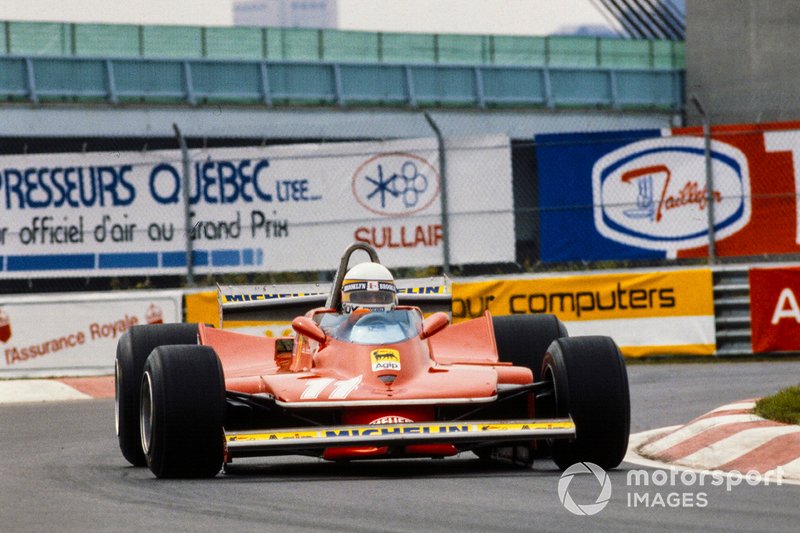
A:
652, 193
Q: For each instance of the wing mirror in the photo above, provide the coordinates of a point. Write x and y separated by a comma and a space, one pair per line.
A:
308, 328
434, 324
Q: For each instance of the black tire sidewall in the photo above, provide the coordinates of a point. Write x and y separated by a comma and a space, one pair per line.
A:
188, 400
591, 386
133, 349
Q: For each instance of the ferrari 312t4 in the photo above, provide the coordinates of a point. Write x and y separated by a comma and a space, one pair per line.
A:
191, 398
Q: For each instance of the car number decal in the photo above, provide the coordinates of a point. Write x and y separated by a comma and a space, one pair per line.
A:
314, 387
341, 389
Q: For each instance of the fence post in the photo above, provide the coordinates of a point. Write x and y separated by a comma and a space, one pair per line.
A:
443, 194
31, 81
712, 252
187, 215
112, 83
187, 75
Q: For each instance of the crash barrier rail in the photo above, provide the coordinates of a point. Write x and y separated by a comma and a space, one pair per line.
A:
193, 81
756, 309
732, 312
86, 343
300, 44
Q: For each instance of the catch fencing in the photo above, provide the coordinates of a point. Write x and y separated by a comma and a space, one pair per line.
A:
255, 209
471, 205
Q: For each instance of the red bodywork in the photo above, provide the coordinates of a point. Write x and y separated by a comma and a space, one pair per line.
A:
457, 365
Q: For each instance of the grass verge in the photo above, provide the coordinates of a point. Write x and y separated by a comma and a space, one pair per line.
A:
781, 407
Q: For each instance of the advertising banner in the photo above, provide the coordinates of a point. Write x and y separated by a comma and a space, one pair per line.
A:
73, 334
774, 309
279, 208
654, 313
642, 194
204, 307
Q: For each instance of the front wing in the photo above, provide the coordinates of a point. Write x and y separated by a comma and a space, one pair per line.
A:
278, 441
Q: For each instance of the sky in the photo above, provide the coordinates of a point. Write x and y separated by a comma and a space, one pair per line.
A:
497, 17
518, 17
189, 12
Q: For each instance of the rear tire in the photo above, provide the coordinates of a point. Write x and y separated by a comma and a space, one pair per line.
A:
182, 412
523, 339
133, 348
591, 385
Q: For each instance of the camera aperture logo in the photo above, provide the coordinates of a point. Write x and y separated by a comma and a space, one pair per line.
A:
395, 184
589, 508
661, 488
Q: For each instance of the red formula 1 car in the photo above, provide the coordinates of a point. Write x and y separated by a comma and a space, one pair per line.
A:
366, 385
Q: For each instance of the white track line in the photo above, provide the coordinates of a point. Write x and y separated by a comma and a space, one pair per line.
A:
37, 390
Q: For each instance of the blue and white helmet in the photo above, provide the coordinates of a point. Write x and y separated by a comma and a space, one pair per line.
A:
368, 286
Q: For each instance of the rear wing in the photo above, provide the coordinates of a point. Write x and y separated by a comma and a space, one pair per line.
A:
282, 303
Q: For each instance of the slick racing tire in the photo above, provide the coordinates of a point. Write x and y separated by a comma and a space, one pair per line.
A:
590, 384
523, 339
182, 412
133, 349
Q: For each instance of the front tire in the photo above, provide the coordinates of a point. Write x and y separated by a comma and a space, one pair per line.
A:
133, 348
182, 412
590, 384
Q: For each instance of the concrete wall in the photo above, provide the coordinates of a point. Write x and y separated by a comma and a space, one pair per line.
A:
216, 122
742, 60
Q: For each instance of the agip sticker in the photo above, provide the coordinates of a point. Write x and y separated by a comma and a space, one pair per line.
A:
385, 359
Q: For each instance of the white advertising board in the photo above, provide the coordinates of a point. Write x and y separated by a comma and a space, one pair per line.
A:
73, 334
280, 208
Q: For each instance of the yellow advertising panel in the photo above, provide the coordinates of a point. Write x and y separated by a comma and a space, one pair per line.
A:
647, 313
202, 307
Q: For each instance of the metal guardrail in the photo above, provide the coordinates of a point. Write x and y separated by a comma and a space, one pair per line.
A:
732, 312
192, 81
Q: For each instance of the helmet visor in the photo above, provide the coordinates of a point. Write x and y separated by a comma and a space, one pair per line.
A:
372, 297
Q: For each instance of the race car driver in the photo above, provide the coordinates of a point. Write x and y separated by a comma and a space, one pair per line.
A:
368, 286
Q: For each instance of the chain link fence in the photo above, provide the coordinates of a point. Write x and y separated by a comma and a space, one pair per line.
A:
81, 215
282, 209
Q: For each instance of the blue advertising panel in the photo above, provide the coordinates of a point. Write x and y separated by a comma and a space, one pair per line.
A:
565, 163
637, 194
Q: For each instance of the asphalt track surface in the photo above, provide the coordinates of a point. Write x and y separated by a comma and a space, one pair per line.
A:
61, 470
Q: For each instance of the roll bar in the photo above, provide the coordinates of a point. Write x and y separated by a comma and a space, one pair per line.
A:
335, 296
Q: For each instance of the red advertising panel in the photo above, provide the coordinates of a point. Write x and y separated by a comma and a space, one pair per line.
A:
772, 151
774, 309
